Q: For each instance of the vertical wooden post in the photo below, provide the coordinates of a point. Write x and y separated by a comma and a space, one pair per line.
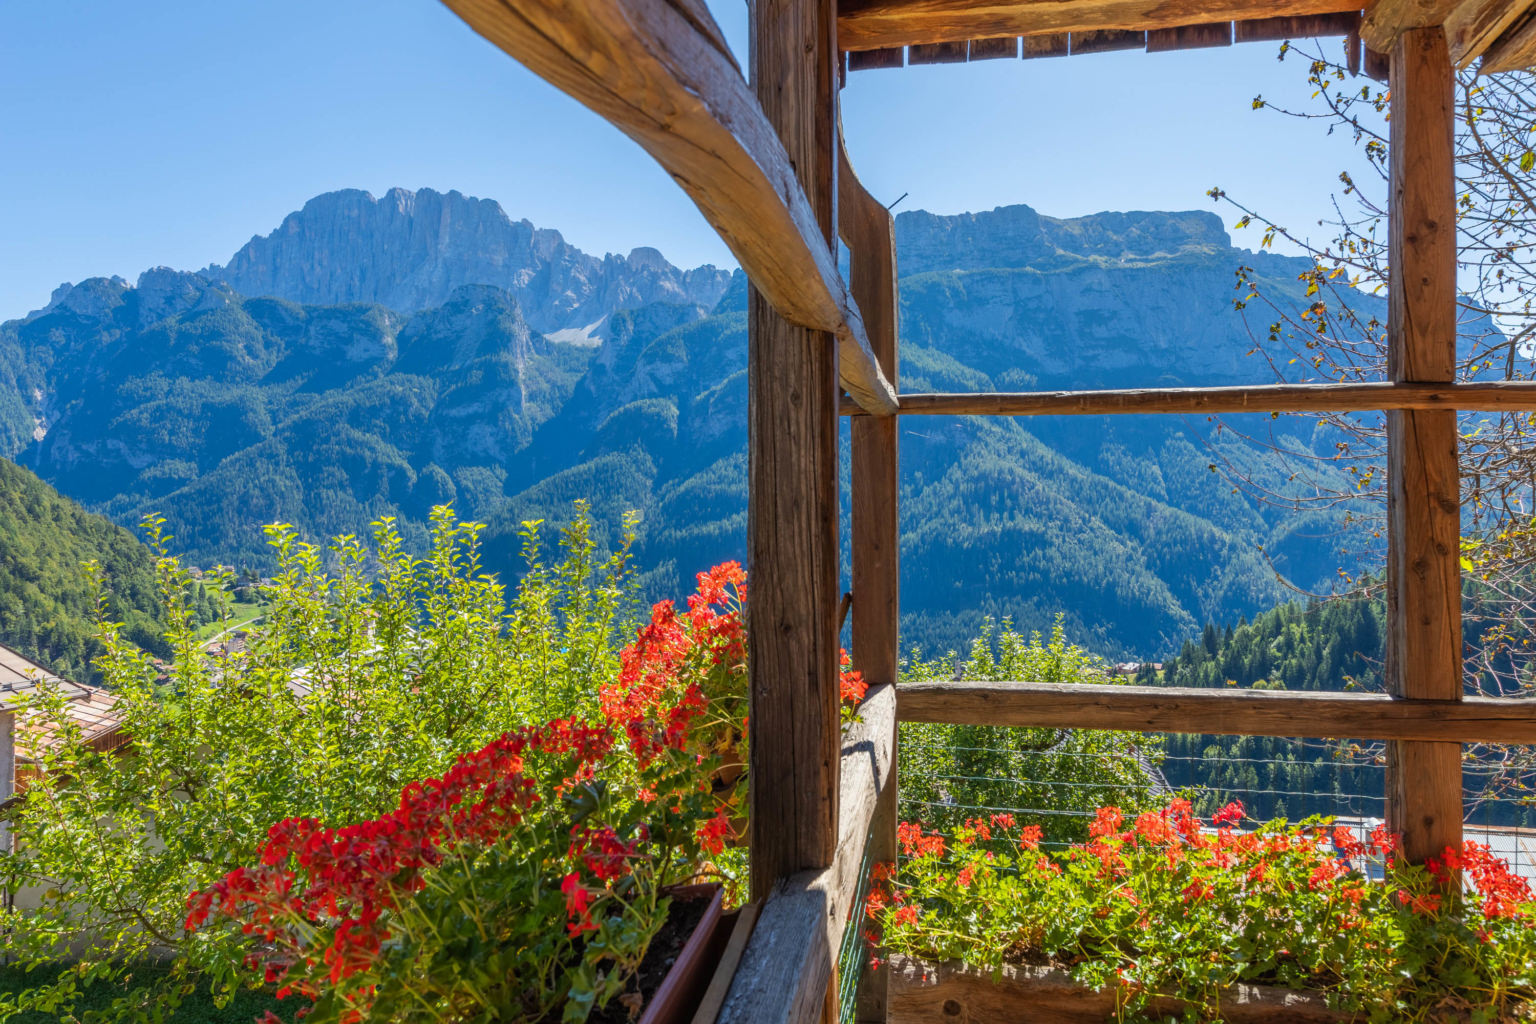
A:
793, 508
1423, 657
867, 228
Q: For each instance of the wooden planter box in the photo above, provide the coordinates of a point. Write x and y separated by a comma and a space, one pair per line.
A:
678, 996
952, 993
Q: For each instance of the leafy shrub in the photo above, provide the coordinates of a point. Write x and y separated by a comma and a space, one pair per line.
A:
374, 668
1047, 777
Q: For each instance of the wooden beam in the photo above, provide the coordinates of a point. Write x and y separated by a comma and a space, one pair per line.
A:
940, 993
725, 971
1052, 44
1006, 48
784, 974
1308, 714
1386, 20
1312, 26
1423, 631
861, 60
870, 235
660, 71
869, 232
1106, 40
938, 53
1499, 396
1515, 50
1189, 37
1475, 25
792, 473
872, 24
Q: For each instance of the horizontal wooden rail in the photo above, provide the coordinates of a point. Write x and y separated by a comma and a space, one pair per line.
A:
1490, 397
876, 24
661, 72
785, 971
1307, 714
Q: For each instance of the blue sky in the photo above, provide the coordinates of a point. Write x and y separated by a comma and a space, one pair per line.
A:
135, 135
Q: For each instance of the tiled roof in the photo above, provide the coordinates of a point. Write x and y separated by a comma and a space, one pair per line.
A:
20, 674
92, 712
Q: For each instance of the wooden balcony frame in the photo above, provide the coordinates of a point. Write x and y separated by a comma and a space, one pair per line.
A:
764, 163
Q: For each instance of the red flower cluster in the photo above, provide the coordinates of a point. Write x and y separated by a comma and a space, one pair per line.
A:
915, 844
1503, 893
346, 879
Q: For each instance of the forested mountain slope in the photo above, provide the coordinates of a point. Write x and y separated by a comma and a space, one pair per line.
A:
413, 383
47, 608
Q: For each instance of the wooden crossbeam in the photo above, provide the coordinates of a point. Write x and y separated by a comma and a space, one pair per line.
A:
872, 24
784, 973
661, 72
1308, 714
1500, 396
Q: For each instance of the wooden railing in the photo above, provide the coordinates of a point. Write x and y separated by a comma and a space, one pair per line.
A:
763, 162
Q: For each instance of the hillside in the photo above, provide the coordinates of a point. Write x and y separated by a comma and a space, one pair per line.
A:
46, 605
223, 409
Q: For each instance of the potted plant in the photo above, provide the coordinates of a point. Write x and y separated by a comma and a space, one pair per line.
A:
1160, 915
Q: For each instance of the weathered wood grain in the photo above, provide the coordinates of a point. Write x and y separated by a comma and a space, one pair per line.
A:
660, 72
868, 231
1107, 40
730, 959
1377, 65
792, 472
951, 993
1473, 26
893, 57
1220, 712
1386, 20
1051, 44
1489, 397
1189, 37
784, 974
870, 235
1423, 630
872, 24
1312, 26
1006, 48
1514, 50
938, 53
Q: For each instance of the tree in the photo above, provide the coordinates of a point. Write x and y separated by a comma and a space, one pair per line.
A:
1338, 338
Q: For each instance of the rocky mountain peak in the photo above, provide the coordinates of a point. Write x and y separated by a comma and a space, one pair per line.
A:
1018, 236
411, 250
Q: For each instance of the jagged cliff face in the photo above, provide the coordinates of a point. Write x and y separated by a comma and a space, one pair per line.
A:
411, 250
401, 382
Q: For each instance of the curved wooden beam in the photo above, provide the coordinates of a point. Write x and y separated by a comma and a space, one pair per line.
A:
660, 71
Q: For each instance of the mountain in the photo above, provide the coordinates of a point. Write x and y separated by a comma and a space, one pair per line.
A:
47, 607
198, 397
411, 251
